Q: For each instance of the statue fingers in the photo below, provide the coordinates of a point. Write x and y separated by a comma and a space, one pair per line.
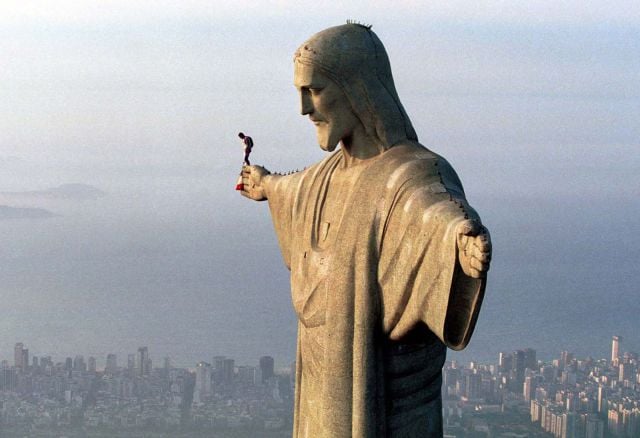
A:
479, 266
470, 227
483, 243
480, 254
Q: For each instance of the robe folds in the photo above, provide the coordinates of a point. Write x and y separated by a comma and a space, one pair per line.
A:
378, 305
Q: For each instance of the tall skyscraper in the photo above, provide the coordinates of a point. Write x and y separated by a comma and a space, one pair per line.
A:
615, 349
228, 370
266, 368
91, 364
218, 368
473, 384
530, 359
19, 356
46, 361
112, 364
143, 363
565, 359
529, 388
502, 361
602, 401
519, 365
624, 372
79, 363
569, 425
202, 388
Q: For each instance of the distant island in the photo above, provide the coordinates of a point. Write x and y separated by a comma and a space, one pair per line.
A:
76, 192
7, 212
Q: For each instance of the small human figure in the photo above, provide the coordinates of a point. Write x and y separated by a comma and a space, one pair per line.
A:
248, 144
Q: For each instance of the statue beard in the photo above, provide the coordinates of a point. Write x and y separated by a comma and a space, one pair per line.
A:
325, 141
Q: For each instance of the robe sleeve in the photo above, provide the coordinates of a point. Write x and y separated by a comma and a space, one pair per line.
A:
282, 195
420, 277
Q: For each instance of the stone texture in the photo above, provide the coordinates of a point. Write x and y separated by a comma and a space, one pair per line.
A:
388, 261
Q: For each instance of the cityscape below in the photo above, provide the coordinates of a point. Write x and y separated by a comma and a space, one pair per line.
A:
519, 396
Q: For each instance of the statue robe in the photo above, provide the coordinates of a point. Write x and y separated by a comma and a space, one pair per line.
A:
376, 307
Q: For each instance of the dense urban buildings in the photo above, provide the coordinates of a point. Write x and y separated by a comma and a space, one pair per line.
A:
519, 396
525, 397
75, 398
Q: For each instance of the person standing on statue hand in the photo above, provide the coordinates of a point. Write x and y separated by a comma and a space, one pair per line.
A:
248, 145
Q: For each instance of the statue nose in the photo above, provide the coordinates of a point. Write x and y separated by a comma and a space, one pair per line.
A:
306, 107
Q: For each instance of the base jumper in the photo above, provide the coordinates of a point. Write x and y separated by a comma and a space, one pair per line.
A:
388, 261
248, 145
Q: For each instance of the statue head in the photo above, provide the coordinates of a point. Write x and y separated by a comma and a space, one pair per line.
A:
353, 57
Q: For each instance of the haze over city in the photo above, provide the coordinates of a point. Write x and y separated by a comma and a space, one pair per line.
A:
535, 105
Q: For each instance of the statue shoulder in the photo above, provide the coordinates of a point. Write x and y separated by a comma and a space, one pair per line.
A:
413, 161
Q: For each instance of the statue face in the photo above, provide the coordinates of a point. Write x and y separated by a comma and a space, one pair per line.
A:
327, 106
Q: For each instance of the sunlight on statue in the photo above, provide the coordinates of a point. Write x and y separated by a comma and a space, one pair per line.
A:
388, 261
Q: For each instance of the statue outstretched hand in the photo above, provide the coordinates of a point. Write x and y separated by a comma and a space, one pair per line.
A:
474, 248
253, 182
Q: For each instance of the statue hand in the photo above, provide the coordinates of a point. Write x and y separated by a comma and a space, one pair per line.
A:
474, 248
252, 180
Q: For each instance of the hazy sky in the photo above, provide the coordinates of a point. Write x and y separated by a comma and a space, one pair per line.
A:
536, 104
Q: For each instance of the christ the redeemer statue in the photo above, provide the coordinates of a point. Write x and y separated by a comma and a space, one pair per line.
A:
388, 261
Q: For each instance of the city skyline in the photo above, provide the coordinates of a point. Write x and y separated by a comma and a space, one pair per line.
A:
20, 349
22, 356
568, 396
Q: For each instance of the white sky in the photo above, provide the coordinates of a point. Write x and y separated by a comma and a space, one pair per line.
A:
100, 83
522, 12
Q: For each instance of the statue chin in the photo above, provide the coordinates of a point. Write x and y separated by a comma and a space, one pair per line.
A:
327, 147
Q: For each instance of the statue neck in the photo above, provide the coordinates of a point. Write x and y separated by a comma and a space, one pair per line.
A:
359, 147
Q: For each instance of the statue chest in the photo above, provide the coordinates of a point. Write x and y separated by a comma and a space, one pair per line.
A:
325, 241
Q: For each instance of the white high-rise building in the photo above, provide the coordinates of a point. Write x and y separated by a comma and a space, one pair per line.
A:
615, 350
529, 388
202, 389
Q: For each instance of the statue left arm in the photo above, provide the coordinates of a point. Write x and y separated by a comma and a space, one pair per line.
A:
473, 248
434, 267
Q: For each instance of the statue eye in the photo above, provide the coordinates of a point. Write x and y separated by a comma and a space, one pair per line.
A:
315, 91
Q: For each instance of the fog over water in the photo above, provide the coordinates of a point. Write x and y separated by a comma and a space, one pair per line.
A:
538, 117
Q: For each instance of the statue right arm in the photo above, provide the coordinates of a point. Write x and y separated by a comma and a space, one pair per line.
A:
281, 191
258, 182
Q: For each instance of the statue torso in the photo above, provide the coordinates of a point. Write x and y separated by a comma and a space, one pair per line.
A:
412, 368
